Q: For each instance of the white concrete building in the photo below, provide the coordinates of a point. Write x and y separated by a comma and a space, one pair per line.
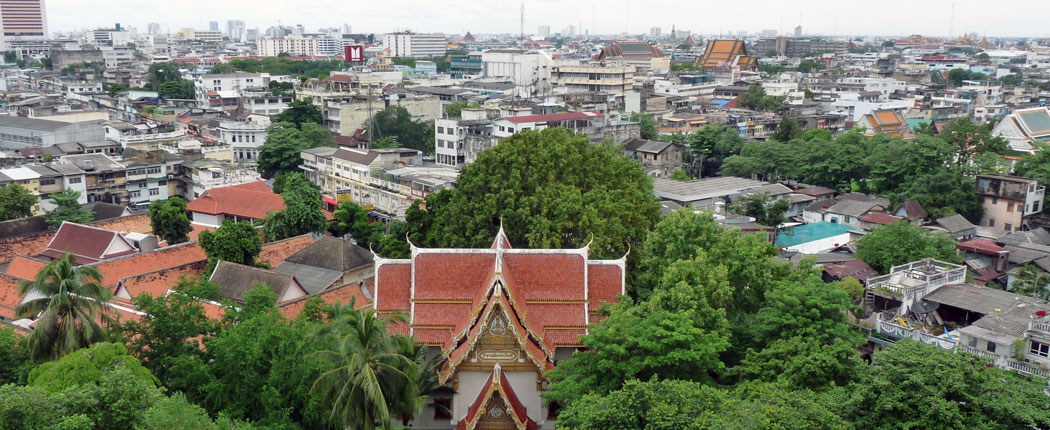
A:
416, 45
212, 86
530, 71
245, 137
298, 45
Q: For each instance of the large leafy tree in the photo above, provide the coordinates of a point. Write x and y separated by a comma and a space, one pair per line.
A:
763, 210
258, 366
166, 337
366, 379
904, 242
550, 189
647, 124
69, 303
946, 193
236, 242
640, 342
955, 390
787, 130
302, 209
397, 122
15, 202
284, 143
1032, 282
971, 139
300, 112
68, 209
15, 363
170, 221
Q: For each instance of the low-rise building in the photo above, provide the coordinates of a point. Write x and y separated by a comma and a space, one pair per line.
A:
245, 137
105, 179
659, 158
613, 80
1009, 201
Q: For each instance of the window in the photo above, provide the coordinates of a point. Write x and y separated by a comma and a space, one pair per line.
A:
47, 182
991, 222
154, 192
74, 180
1009, 207
991, 346
1040, 349
1008, 227
134, 194
1035, 206
163, 183
442, 409
441, 130
995, 200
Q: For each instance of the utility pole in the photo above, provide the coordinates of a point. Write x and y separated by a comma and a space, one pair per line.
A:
521, 41
371, 122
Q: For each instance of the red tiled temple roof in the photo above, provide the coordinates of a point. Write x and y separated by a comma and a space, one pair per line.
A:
497, 383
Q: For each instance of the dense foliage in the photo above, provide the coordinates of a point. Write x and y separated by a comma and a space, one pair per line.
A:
903, 242
170, 221
302, 208
15, 202
397, 123
281, 153
927, 169
286, 66
235, 242
386, 239
549, 189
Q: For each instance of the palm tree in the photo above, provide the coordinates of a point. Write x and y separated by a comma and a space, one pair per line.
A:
367, 377
68, 303
428, 383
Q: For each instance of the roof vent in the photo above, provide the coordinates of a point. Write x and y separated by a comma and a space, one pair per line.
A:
88, 165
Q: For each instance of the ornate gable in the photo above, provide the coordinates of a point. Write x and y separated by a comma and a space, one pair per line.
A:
497, 336
497, 407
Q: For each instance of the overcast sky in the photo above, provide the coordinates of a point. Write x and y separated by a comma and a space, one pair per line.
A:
842, 17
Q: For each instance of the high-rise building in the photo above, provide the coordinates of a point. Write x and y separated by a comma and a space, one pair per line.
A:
153, 28
569, 31
213, 26
298, 45
654, 32
798, 31
408, 44
23, 20
543, 31
235, 30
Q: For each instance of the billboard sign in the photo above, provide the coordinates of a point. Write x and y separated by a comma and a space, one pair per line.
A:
354, 53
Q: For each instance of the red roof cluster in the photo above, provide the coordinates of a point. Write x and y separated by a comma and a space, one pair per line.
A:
981, 246
249, 200
879, 218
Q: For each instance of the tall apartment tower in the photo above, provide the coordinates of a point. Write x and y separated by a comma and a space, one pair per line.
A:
23, 20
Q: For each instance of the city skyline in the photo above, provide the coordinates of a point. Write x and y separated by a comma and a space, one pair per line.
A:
611, 17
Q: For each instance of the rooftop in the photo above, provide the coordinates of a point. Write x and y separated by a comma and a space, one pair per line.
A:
810, 232
700, 189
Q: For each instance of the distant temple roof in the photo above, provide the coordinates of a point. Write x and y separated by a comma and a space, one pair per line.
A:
630, 50
721, 53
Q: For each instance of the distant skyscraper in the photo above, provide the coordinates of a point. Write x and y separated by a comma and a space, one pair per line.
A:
346, 29
213, 26
153, 28
654, 32
569, 31
235, 30
23, 19
543, 31
798, 31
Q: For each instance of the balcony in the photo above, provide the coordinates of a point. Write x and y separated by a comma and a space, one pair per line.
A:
151, 138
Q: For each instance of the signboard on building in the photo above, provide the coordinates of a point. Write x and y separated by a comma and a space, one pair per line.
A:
354, 53
342, 196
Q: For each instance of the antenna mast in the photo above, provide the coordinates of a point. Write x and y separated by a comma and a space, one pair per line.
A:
522, 40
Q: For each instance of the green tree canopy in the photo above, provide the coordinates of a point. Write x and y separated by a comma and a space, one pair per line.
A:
647, 124
15, 202
87, 366
397, 122
67, 208
236, 242
550, 189
955, 390
455, 110
787, 130
300, 112
302, 209
281, 153
904, 242
763, 210
170, 220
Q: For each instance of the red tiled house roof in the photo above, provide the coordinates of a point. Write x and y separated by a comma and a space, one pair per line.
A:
24, 267
113, 270
9, 296
274, 253
251, 200
342, 295
88, 244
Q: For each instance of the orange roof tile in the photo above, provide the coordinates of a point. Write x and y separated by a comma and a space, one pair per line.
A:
342, 295
113, 270
274, 253
249, 200
157, 283
24, 267
394, 285
33, 244
9, 296
497, 384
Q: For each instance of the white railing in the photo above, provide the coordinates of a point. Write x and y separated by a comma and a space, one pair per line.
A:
1027, 369
1039, 326
138, 138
